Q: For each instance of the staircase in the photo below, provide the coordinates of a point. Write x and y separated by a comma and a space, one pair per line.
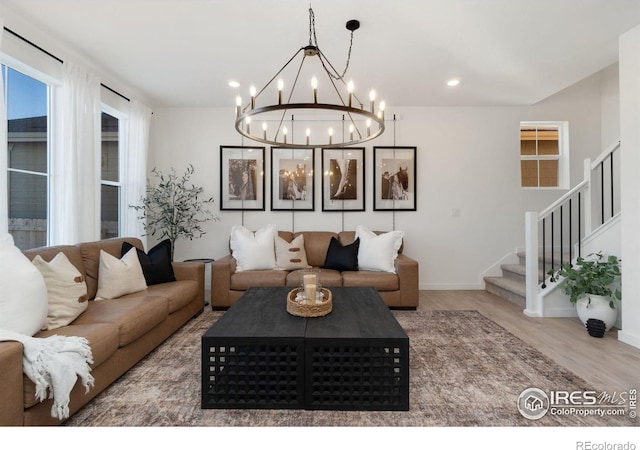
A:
557, 234
512, 284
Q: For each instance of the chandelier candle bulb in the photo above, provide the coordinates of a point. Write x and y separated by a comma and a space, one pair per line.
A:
308, 133
372, 97
350, 90
284, 133
252, 92
330, 136
368, 127
248, 122
351, 128
382, 106
314, 86
238, 106
280, 88
264, 130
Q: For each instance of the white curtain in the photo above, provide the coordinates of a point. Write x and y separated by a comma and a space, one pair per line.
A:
4, 194
75, 165
135, 170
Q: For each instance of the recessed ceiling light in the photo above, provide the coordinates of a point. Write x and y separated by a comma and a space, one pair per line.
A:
234, 84
453, 82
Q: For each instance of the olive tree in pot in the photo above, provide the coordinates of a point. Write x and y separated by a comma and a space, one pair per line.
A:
591, 285
174, 208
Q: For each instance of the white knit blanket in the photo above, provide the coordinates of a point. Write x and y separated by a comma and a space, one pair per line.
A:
54, 364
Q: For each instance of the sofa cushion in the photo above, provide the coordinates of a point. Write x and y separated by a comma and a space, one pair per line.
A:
103, 339
66, 289
253, 251
291, 255
378, 252
134, 314
23, 293
156, 263
118, 277
90, 254
381, 281
328, 278
316, 244
178, 293
342, 258
252, 278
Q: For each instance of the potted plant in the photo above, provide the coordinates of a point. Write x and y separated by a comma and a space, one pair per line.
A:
590, 284
173, 208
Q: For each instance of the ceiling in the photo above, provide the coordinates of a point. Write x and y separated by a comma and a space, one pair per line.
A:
182, 53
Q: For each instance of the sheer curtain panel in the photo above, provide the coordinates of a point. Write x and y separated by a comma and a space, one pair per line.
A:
135, 171
75, 183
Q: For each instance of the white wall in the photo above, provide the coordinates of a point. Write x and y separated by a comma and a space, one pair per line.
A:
629, 45
468, 159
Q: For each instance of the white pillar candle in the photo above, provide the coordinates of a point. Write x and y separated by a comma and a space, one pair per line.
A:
309, 281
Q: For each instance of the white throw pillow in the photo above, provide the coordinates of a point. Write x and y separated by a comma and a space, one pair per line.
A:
253, 251
23, 294
118, 277
66, 288
378, 252
291, 255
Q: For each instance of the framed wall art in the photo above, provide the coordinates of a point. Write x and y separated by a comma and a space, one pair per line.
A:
292, 179
241, 178
394, 178
343, 179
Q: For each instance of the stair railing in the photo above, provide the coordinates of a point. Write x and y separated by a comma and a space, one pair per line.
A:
554, 236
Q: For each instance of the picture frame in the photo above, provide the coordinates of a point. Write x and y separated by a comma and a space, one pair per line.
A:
241, 178
394, 178
292, 175
343, 178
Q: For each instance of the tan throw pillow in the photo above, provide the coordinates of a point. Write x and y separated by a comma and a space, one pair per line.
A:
66, 289
118, 277
291, 255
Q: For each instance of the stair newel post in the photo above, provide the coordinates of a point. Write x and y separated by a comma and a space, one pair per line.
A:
533, 305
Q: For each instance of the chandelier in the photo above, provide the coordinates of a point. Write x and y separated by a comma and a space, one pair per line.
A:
308, 118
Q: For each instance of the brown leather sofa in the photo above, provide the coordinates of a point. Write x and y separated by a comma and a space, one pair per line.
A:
120, 331
399, 290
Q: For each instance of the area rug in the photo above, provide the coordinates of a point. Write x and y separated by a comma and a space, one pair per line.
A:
465, 370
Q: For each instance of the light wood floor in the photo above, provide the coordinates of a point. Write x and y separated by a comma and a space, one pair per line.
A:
605, 363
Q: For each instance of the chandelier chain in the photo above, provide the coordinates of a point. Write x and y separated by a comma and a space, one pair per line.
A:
313, 40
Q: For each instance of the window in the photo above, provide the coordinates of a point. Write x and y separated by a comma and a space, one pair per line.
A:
544, 152
27, 106
111, 180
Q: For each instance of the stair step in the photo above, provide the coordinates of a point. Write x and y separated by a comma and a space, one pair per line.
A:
507, 288
518, 272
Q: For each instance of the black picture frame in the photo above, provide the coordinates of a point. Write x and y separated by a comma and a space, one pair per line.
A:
292, 179
343, 169
242, 184
394, 178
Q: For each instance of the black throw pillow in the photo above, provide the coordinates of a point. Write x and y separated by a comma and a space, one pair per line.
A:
156, 264
342, 258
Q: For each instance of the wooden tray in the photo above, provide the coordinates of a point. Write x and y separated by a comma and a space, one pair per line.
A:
296, 308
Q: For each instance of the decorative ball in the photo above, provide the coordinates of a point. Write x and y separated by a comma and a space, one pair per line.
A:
596, 328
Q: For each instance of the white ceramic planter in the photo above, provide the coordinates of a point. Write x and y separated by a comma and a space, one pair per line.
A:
596, 307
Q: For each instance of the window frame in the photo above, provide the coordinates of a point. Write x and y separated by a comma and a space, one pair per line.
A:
122, 149
51, 85
562, 157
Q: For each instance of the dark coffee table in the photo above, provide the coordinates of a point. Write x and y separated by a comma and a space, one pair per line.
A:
259, 356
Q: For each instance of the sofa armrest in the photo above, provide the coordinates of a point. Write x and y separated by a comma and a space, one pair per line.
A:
11, 388
407, 270
190, 271
221, 271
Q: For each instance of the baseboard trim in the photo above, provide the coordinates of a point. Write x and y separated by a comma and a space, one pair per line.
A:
451, 287
629, 338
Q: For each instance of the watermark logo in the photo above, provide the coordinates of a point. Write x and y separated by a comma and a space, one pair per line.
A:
534, 403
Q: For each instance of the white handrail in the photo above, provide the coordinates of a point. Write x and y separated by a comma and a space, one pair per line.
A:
579, 187
605, 154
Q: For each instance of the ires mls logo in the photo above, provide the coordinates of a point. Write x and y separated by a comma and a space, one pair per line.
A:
534, 403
